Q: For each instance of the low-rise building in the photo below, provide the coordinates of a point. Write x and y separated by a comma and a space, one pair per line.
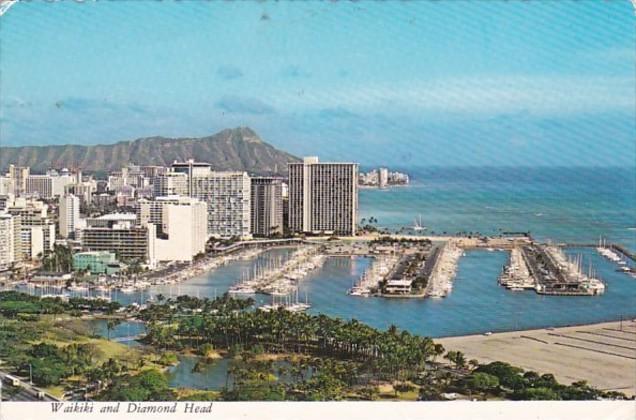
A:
96, 262
118, 233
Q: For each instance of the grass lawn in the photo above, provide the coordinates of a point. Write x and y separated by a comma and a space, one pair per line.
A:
387, 392
187, 394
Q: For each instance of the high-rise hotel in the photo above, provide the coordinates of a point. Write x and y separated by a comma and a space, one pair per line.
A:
323, 197
267, 206
227, 195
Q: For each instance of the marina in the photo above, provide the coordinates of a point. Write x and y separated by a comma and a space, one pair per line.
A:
369, 282
476, 304
278, 277
547, 270
556, 273
515, 275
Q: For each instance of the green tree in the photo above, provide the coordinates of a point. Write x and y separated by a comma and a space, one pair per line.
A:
480, 381
111, 324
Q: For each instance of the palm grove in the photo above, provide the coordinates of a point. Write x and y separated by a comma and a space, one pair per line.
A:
328, 358
276, 355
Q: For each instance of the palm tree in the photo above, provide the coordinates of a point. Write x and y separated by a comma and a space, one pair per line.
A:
111, 324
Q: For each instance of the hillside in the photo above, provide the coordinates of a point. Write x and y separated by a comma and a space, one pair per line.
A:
231, 149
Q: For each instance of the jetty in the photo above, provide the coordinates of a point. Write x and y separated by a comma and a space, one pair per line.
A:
440, 282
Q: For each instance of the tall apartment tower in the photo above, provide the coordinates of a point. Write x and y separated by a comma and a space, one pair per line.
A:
227, 195
39, 185
267, 206
37, 228
19, 175
383, 177
323, 197
192, 170
69, 214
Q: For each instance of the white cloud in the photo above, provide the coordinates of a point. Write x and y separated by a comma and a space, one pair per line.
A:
545, 95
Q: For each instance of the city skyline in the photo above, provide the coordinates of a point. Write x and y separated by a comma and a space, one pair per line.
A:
353, 201
514, 91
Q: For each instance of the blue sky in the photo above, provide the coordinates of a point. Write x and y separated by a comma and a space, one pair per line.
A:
402, 82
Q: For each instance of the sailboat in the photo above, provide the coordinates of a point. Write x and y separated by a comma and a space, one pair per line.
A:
417, 225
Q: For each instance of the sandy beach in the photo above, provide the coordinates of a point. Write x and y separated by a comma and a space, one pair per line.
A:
603, 354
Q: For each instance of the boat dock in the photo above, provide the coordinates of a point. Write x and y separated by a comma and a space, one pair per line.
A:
280, 278
556, 274
440, 281
619, 249
516, 275
369, 283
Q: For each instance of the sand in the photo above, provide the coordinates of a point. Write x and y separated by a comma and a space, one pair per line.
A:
602, 354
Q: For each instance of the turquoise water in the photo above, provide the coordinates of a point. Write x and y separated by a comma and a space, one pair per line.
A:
212, 377
476, 304
211, 284
561, 204
124, 332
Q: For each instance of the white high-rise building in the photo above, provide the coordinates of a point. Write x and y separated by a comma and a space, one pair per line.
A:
60, 181
18, 175
68, 215
6, 185
10, 240
383, 177
323, 197
37, 228
227, 195
39, 185
180, 225
50, 185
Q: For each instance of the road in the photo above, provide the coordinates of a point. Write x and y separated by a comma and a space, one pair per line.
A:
25, 392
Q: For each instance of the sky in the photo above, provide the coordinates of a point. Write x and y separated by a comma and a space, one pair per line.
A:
421, 83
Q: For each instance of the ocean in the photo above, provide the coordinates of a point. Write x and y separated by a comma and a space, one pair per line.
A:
559, 204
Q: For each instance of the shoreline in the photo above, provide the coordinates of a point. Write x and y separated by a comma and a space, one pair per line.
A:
495, 333
603, 354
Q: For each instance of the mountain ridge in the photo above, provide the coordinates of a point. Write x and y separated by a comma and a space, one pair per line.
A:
237, 148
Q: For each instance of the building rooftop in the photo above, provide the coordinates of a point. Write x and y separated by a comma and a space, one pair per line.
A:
402, 283
93, 253
313, 160
119, 217
189, 163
